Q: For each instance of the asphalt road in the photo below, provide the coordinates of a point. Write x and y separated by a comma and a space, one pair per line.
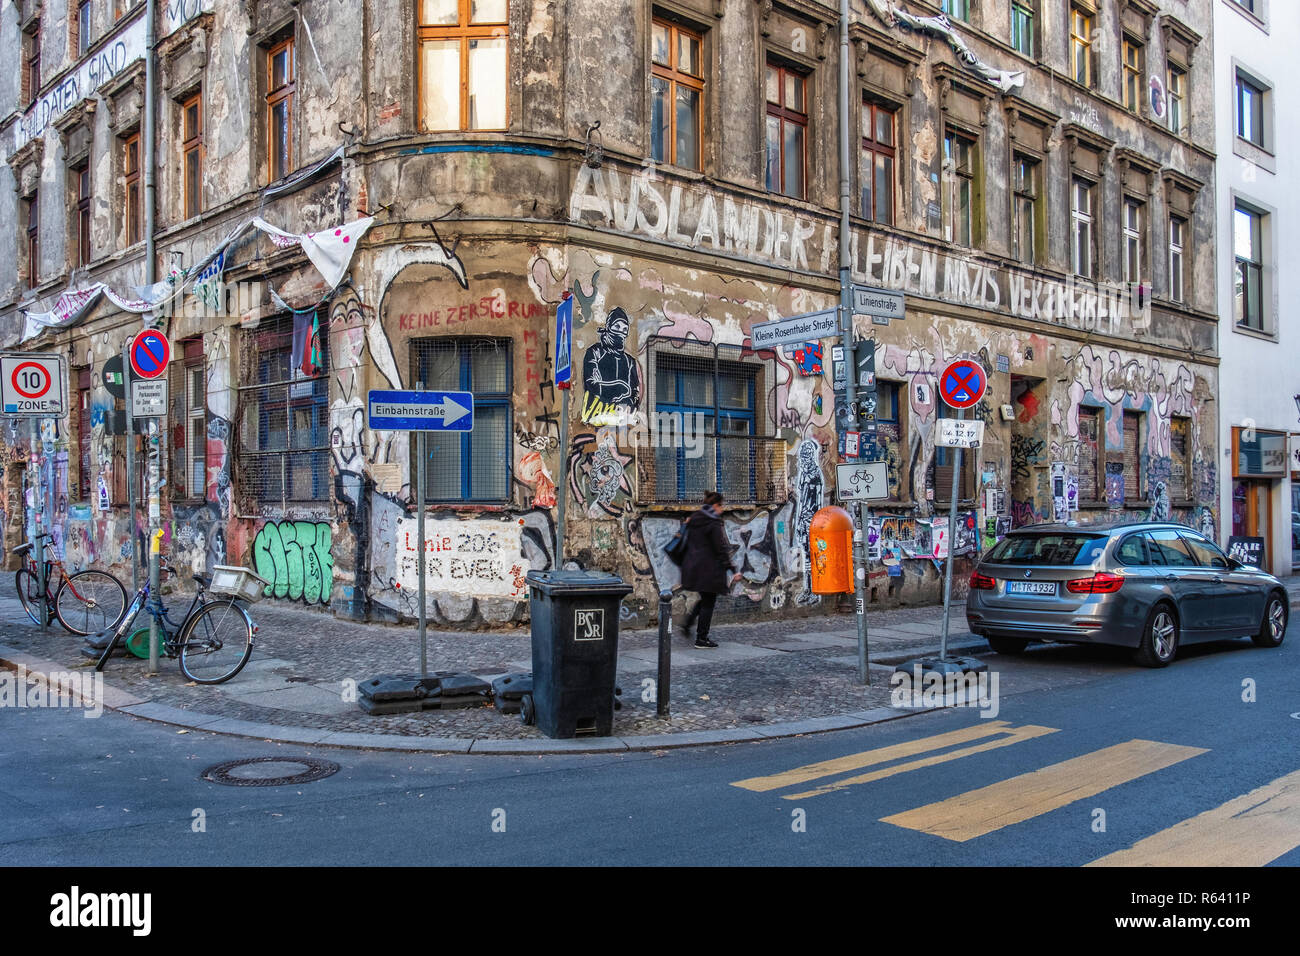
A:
1115, 760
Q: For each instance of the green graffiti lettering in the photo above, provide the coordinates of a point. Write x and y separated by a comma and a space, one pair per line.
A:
295, 557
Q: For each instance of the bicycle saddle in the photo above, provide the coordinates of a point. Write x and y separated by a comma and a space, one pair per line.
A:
203, 579
23, 548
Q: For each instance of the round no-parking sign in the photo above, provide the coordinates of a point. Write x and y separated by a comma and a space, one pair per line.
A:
962, 383
150, 351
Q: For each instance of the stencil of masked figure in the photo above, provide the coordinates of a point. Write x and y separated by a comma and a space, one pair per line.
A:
610, 376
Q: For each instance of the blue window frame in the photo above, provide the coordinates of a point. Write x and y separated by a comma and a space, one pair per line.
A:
719, 398
285, 453
473, 466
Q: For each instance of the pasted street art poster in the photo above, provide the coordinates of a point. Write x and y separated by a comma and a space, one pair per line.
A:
611, 381
479, 558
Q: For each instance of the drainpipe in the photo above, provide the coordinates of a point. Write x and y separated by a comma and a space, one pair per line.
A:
846, 330
150, 183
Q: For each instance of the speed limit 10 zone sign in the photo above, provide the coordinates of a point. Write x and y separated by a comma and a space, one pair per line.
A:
33, 385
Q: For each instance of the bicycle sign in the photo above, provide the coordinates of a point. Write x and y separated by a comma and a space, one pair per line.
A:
33, 385
863, 480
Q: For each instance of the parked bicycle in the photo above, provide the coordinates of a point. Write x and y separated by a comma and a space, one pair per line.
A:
215, 639
84, 603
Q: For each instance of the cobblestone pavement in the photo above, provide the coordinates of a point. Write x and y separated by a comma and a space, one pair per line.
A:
765, 672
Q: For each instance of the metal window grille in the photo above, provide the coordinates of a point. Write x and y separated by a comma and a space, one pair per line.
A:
284, 455
708, 425
473, 466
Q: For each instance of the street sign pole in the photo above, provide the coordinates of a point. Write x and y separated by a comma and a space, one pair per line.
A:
564, 323
952, 537
130, 468
38, 546
420, 465
846, 332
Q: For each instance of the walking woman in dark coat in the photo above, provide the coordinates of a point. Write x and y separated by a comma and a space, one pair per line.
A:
707, 567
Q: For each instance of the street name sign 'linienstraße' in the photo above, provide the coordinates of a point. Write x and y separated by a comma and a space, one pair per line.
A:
410, 411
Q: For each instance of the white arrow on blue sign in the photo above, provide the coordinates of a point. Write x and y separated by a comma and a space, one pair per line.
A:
421, 411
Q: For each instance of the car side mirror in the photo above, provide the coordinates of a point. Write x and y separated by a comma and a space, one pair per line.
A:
1234, 564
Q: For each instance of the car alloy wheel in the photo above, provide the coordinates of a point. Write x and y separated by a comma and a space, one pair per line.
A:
1160, 639
1273, 628
1164, 635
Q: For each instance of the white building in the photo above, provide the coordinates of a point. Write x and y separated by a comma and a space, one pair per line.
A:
1258, 145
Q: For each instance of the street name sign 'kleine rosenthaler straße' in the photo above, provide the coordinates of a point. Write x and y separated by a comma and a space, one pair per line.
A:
421, 411
808, 327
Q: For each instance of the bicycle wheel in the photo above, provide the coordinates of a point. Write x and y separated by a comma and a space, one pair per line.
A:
216, 642
29, 593
90, 602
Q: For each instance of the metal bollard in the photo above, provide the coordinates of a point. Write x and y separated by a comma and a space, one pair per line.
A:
665, 651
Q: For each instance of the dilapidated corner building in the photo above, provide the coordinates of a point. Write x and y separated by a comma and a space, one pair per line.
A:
396, 192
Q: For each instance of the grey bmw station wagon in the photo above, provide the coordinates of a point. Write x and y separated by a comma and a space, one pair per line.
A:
1151, 587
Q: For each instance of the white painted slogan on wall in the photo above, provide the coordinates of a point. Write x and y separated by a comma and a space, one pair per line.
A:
478, 558
109, 61
641, 202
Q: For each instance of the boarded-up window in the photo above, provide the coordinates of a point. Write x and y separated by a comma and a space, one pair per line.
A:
1090, 457
1180, 446
1132, 457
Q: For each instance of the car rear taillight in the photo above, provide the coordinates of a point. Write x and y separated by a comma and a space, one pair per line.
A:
982, 582
1100, 583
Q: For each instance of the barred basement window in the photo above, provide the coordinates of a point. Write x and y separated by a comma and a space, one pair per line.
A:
473, 466
709, 429
284, 452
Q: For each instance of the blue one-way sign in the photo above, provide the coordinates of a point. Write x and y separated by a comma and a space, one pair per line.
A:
421, 411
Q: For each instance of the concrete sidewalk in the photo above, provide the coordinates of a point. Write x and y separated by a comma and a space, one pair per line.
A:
769, 678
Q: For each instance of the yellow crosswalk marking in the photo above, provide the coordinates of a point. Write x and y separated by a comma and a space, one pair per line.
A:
1028, 795
883, 755
1251, 830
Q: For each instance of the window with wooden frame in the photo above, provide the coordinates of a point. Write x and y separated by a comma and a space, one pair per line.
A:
959, 189
1133, 457
1177, 229
957, 9
33, 240
1134, 253
1082, 260
1092, 448
676, 94
132, 188
463, 64
81, 182
878, 163
1248, 283
1133, 70
1024, 224
1081, 46
31, 71
280, 87
787, 129
192, 154
1022, 26
81, 29
189, 417
1180, 458
1176, 97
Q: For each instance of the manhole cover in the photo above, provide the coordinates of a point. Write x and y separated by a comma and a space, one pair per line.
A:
269, 771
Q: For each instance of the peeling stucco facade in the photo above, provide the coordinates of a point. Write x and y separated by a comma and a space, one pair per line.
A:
478, 236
